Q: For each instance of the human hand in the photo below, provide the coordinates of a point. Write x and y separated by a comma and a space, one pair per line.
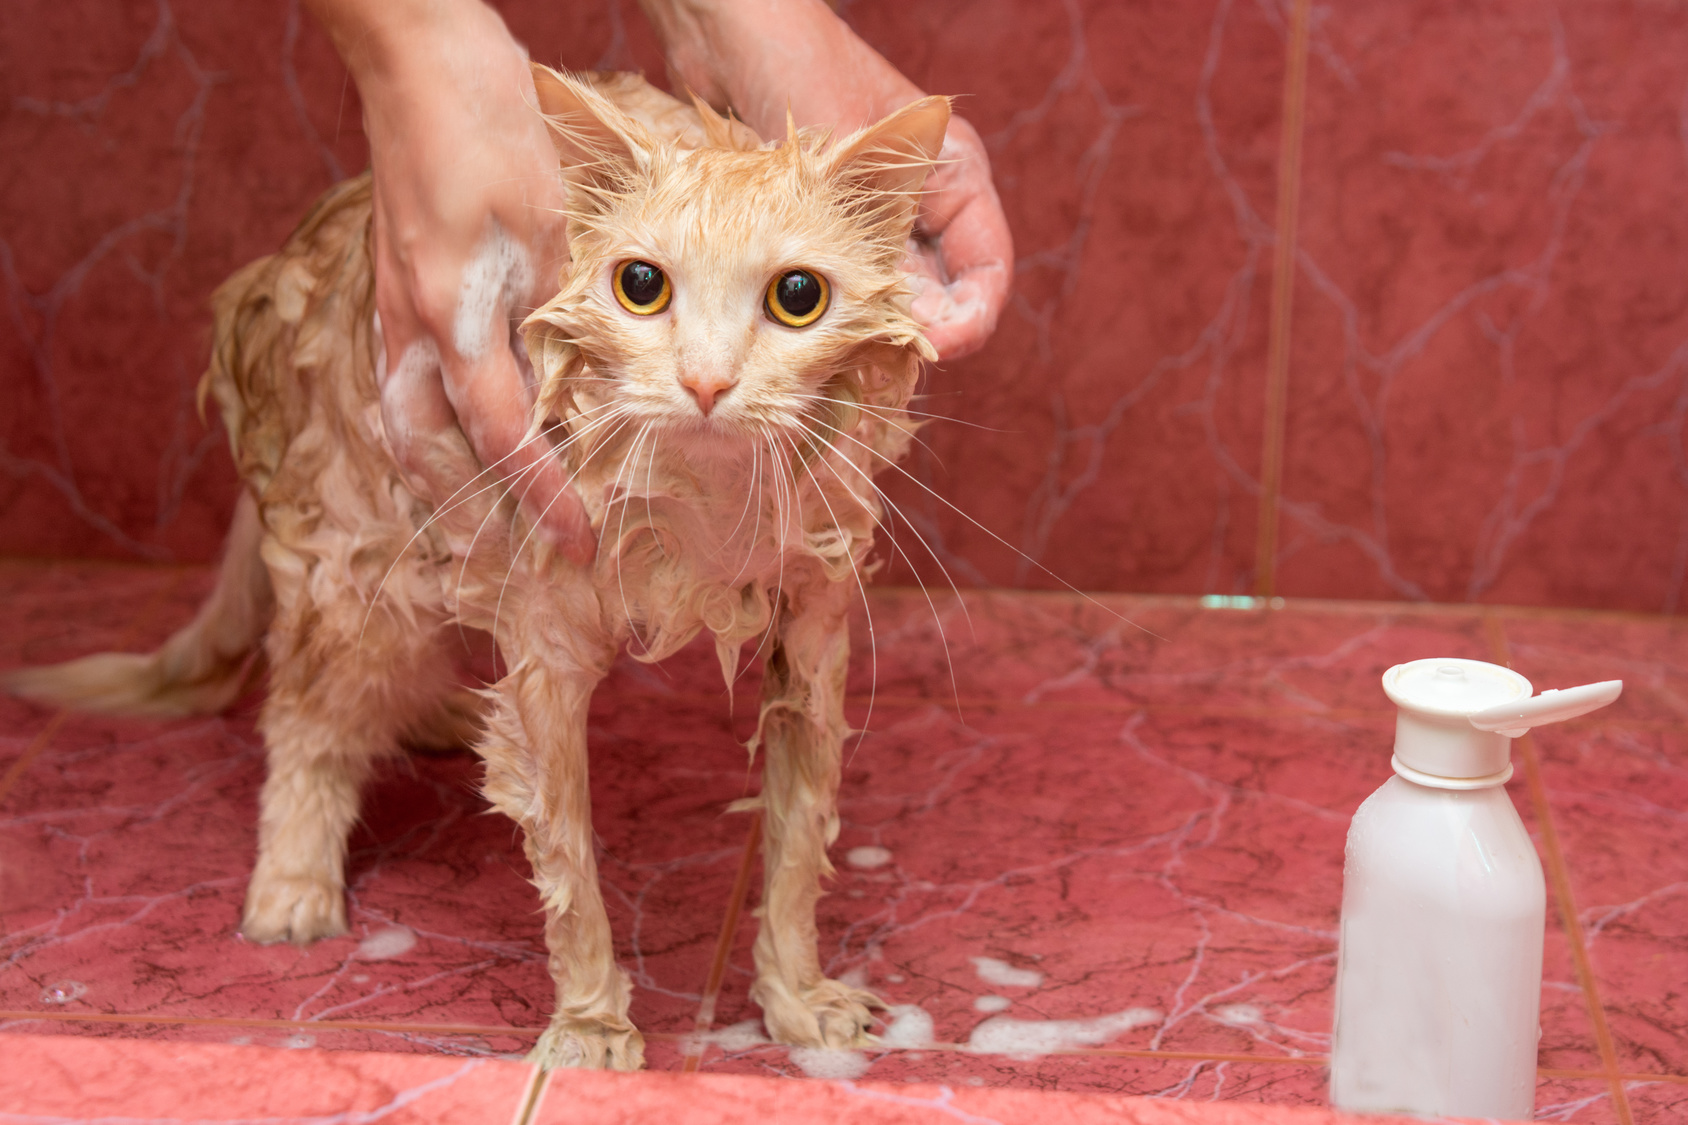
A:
760, 56
468, 239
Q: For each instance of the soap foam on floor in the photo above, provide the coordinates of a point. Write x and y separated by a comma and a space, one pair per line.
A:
1004, 975
1027, 1039
868, 856
740, 1036
1238, 1015
826, 1062
911, 1028
394, 941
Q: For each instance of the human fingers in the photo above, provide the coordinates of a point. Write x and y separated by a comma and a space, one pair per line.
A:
966, 265
416, 413
493, 403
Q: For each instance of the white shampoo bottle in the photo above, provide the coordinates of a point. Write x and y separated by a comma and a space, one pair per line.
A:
1438, 980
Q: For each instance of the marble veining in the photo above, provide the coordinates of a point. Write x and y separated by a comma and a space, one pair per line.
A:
1074, 855
1490, 333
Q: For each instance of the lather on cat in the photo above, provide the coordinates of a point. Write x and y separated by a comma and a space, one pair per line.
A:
724, 370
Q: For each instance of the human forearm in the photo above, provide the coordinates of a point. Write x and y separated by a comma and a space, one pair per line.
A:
742, 53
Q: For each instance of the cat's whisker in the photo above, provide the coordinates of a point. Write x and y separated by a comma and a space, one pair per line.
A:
783, 518
650, 466
937, 618
753, 495
891, 506
595, 424
627, 465
867, 610
888, 417
918, 483
749, 492
451, 504
515, 557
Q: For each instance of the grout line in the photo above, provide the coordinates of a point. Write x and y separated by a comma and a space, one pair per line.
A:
1140, 600
1129, 707
1283, 299
284, 1025
529, 1105
724, 942
1559, 877
31, 752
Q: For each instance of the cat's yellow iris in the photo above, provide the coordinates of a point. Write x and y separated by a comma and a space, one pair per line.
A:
642, 288
797, 298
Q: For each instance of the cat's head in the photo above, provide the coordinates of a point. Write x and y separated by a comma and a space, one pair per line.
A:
726, 291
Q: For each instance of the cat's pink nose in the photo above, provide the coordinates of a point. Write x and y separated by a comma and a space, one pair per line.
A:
706, 389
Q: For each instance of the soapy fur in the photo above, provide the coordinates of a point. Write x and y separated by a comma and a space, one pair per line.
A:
752, 523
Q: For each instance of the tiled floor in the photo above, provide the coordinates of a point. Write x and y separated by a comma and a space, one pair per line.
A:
1078, 853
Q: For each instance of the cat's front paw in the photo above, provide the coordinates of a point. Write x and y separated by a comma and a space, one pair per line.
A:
589, 1046
297, 908
830, 1014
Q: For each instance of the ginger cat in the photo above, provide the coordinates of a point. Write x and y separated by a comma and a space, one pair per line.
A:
726, 366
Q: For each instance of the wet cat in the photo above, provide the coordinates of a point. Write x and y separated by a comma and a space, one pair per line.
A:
725, 367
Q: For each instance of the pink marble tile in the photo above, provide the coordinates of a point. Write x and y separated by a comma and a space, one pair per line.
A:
56, 1077
130, 862
1584, 1101
1173, 881
1490, 308
1134, 150
1617, 782
593, 1097
1657, 1101
1649, 654
1620, 798
393, 1038
1121, 652
128, 845
1192, 1080
66, 1079
167, 146
1150, 836
1487, 336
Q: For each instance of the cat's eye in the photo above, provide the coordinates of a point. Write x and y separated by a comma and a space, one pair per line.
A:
797, 298
642, 288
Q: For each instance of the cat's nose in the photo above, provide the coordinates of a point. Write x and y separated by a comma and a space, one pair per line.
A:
706, 389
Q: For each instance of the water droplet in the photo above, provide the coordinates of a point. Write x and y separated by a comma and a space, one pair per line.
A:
298, 1042
63, 992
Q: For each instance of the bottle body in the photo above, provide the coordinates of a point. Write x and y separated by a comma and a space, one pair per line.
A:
1438, 991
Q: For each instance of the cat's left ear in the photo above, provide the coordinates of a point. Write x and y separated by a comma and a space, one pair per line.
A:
595, 141
895, 156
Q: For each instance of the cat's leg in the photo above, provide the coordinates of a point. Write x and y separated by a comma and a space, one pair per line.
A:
535, 751
344, 685
801, 739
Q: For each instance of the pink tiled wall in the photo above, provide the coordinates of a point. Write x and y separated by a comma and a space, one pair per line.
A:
1488, 352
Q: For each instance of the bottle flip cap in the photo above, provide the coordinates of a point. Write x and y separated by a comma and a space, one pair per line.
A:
1456, 718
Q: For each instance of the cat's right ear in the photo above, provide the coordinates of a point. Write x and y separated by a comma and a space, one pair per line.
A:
596, 143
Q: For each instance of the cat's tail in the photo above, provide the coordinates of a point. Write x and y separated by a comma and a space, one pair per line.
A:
203, 668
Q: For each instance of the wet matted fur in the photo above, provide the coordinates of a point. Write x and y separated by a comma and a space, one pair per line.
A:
751, 520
